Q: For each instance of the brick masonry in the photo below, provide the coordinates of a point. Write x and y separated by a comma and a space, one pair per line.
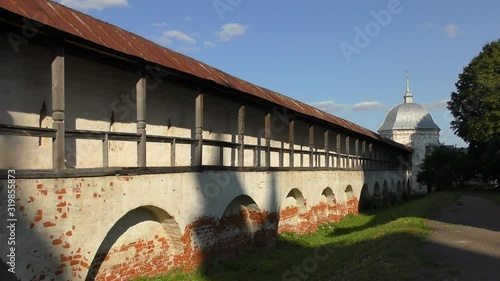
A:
118, 227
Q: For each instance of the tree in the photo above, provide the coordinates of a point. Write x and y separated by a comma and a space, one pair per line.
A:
447, 168
476, 108
476, 103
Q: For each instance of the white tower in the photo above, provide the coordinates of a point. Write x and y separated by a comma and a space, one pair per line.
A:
411, 124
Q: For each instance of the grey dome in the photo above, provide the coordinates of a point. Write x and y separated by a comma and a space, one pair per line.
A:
408, 116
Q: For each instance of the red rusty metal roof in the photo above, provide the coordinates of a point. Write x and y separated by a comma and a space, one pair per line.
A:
107, 35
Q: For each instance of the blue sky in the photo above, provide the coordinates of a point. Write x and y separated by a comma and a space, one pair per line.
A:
347, 57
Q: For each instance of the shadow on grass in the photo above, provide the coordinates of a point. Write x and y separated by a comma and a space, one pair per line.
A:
384, 212
389, 257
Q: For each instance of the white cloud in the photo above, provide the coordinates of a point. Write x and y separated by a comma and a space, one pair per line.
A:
451, 30
230, 30
367, 106
169, 36
94, 4
428, 25
208, 44
329, 106
188, 18
439, 105
160, 24
332, 107
189, 49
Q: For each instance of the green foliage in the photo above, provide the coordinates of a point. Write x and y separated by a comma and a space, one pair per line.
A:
494, 197
476, 103
447, 167
476, 108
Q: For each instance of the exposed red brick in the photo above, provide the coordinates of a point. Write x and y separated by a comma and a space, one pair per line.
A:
57, 242
61, 191
38, 215
48, 224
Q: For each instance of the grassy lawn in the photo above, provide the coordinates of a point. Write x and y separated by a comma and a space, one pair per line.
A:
381, 245
494, 196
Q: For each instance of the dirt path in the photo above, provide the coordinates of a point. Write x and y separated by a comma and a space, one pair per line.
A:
467, 238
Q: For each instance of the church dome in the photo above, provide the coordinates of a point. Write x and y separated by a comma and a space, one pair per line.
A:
408, 115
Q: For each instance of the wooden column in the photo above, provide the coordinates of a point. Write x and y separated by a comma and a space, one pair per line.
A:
281, 154
198, 152
348, 151
327, 148
267, 136
241, 136
370, 155
172, 153
311, 146
339, 150
58, 93
105, 151
356, 150
141, 121
363, 153
291, 140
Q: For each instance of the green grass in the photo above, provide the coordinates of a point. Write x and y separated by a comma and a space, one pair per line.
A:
494, 196
382, 245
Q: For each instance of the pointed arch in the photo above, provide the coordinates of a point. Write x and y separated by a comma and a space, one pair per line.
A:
385, 190
376, 190
292, 212
330, 211
238, 226
364, 199
136, 233
300, 201
329, 196
349, 193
